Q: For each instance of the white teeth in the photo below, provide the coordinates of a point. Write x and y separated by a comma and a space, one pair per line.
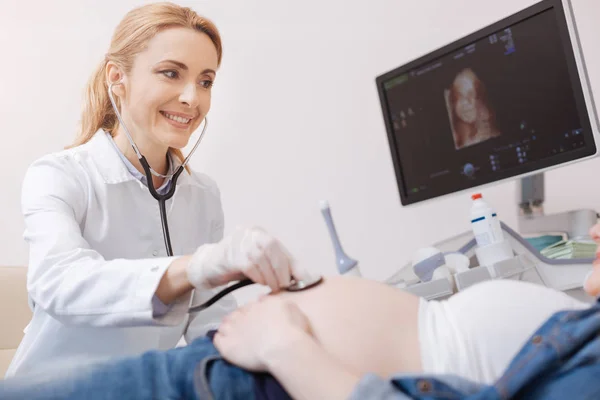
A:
177, 119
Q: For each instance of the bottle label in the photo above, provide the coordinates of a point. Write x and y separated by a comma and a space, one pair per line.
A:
482, 231
482, 239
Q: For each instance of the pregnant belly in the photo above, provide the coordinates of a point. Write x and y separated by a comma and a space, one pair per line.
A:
369, 326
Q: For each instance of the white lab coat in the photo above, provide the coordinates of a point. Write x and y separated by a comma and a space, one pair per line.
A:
97, 255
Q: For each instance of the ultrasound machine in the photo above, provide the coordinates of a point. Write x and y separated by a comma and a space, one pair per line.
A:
509, 101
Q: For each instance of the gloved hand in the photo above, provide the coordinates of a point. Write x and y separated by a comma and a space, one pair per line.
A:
246, 253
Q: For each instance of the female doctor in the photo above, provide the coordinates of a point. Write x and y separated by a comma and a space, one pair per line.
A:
100, 282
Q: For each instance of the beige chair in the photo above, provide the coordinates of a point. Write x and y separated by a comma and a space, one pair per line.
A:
15, 313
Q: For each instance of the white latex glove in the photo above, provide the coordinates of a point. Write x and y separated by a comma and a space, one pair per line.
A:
246, 253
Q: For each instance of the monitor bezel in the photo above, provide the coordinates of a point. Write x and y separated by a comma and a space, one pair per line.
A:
579, 80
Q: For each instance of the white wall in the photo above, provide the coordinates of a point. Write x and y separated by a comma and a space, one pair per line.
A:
295, 118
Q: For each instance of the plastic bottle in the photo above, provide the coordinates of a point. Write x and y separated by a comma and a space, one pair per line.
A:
484, 222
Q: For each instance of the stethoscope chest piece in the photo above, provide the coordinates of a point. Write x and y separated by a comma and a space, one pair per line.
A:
297, 286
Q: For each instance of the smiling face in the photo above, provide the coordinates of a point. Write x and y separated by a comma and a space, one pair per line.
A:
167, 93
466, 99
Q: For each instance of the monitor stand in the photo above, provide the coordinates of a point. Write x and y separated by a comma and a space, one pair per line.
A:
532, 220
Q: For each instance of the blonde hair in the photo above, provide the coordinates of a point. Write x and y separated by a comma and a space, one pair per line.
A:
130, 38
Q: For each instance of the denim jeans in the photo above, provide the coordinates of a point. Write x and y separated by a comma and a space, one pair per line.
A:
194, 372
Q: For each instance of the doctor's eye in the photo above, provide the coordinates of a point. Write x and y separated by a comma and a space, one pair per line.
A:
171, 74
206, 84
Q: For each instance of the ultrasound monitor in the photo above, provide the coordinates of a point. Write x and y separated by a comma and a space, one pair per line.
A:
507, 101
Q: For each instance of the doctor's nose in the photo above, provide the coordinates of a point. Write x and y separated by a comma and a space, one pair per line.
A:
189, 95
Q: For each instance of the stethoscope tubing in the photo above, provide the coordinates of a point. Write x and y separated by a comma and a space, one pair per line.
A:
162, 200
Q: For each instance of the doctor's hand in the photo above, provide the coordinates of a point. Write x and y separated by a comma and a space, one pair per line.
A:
262, 332
246, 253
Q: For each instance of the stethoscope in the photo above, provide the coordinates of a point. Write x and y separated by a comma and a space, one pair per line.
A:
295, 285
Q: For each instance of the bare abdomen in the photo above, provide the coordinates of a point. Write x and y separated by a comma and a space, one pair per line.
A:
369, 326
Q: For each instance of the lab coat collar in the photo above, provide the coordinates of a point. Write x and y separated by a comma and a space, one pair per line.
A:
112, 168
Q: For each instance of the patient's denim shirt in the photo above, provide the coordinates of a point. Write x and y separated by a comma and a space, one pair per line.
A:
560, 361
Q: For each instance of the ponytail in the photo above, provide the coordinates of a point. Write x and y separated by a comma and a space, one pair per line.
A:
97, 111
